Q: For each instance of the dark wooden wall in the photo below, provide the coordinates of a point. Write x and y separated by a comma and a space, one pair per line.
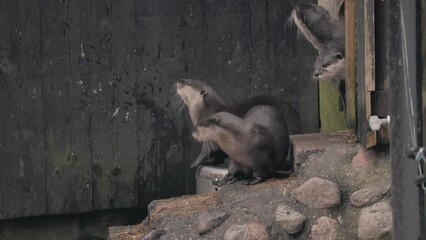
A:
86, 89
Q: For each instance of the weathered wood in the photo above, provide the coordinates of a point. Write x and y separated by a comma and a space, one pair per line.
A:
350, 57
366, 137
193, 31
66, 119
159, 66
369, 70
111, 139
369, 45
293, 67
114, 149
22, 173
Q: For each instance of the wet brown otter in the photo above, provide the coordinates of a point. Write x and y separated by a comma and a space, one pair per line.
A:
202, 101
330, 64
319, 28
257, 145
327, 35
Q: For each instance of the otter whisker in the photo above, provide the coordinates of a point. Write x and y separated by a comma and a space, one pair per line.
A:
290, 20
177, 104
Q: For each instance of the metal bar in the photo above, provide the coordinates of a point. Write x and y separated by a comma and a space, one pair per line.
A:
405, 118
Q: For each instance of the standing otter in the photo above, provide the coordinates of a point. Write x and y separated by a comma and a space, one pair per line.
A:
202, 101
257, 145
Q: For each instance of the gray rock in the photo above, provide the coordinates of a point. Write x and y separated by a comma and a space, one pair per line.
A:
289, 220
318, 193
326, 228
375, 221
154, 234
210, 220
250, 231
369, 195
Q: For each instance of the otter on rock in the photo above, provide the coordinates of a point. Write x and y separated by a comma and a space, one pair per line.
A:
257, 145
202, 101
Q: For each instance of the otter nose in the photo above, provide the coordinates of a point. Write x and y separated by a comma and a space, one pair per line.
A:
180, 83
316, 74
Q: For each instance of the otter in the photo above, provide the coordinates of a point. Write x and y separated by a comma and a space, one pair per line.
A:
327, 35
257, 144
202, 101
330, 64
318, 27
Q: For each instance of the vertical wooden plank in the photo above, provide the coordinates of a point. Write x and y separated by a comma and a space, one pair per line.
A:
22, 170
114, 149
350, 57
66, 118
369, 70
159, 65
193, 32
370, 73
240, 68
366, 137
124, 93
290, 54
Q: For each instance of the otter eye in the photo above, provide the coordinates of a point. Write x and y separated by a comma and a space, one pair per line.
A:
188, 83
203, 92
325, 65
304, 19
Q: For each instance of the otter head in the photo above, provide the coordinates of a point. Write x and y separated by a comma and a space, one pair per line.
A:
218, 127
199, 97
318, 27
330, 64
205, 130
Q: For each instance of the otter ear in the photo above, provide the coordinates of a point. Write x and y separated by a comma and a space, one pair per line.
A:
339, 56
203, 92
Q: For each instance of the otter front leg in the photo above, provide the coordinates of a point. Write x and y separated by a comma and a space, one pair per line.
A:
200, 159
253, 181
210, 154
227, 179
233, 170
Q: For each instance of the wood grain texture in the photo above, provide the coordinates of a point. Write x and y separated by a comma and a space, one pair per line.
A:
87, 88
113, 125
22, 159
350, 56
65, 108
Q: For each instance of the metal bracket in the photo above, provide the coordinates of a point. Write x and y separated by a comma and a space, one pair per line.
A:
376, 122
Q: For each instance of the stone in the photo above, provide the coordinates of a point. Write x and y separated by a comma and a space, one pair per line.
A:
369, 195
318, 193
250, 231
326, 228
363, 158
154, 234
289, 220
375, 221
210, 220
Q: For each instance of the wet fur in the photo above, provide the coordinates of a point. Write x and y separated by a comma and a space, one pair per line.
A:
318, 27
330, 65
201, 107
257, 145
